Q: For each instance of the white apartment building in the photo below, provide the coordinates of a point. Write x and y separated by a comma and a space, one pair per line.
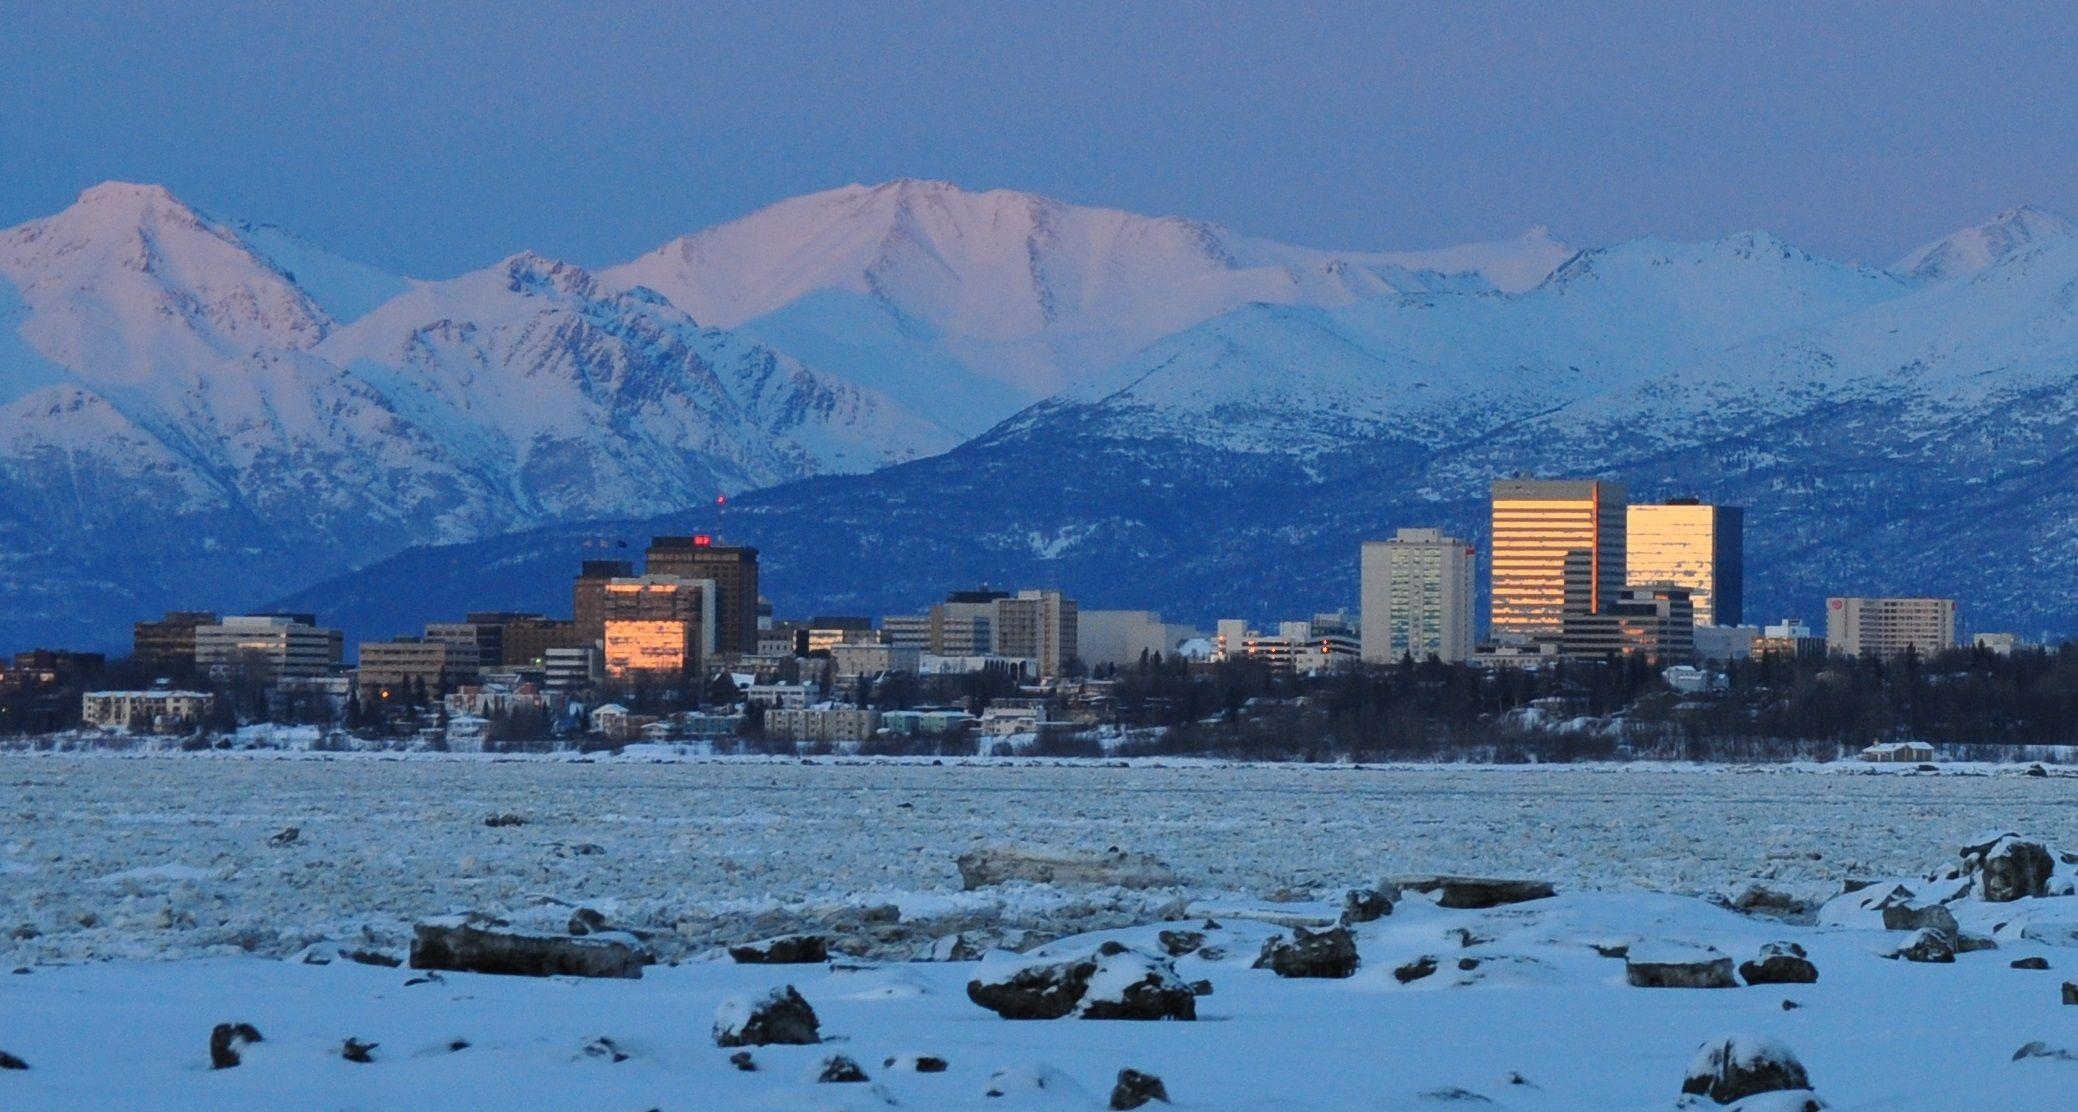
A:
1884, 627
825, 723
1417, 591
158, 709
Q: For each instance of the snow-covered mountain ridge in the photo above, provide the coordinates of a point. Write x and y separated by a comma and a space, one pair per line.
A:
265, 415
1888, 432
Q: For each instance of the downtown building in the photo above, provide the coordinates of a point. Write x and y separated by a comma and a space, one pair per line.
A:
1887, 627
1537, 524
1689, 544
1041, 626
1416, 591
658, 627
733, 571
267, 647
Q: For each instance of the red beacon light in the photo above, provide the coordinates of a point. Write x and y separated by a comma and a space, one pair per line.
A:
702, 540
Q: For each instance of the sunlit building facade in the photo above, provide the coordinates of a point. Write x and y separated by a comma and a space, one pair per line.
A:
1536, 523
1686, 543
658, 626
655, 648
1417, 591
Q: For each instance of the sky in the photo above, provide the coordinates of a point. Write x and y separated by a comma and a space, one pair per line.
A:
432, 138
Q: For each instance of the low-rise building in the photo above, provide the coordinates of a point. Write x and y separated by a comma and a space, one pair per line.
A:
1789, 638
1893, 752
937, 722
572, 669
158, 710
830, 723
852, 660
403, 661
1009, 721
776, 696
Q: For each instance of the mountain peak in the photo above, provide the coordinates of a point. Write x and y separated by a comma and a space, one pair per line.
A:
1978, 248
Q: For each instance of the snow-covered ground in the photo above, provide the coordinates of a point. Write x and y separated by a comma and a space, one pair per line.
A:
105, 861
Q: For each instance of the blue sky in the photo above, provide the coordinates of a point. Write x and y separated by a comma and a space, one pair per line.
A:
432, 138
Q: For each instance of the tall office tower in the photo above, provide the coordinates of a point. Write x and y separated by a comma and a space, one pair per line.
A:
588, 601
267, 647
169, 643
1686, 543
960, 624
1036, 625
1536, 522
1885, 627
1417, 597
734, 570
658, 624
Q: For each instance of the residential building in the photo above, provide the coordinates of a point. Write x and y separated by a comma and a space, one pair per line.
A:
267, 647
1297, 646
824, 724
169, 643
1536, 523
1121, 637
1000, 720
926, 722
1416, 591
776, 696
588, 597
402, 661
1687, 543
733, 569
1885, 627
1898, 752
159, 710
1036, 625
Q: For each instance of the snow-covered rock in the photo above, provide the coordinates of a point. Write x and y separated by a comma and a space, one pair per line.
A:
994, 865
473, 944
1735, 1067
1677, 965
1327, 953
1112, 981
780, 1017
1779, 963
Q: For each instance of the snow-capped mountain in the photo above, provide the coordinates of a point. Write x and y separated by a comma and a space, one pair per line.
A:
1887, 434
967, 306
175, 406
1961, 254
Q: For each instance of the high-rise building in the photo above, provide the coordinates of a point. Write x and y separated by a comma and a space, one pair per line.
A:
1686, 543
1417, 592
588, 598
1536, 522
1884, 627
658, 625
169, 643
472, 646
1036, 625
734, 571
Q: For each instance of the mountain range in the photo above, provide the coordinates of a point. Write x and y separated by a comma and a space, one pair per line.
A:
910, 387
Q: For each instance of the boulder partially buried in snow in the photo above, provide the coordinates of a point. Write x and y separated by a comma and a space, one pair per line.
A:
1112, 981
1909, 916
2009, 868
1477, 892
1039, 865
1779, 963
791, 949
1365, 905
1928, 945
1328, 953
1677, 965
779, 1018
1735, 1067
472, 944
